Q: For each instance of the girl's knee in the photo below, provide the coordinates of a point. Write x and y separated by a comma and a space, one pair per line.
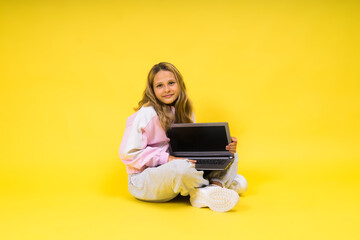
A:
185, 172
182, 167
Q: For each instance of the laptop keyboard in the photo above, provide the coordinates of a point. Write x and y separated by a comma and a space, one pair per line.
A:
212, 161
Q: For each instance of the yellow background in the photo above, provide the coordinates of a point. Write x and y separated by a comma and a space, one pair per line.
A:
284, 74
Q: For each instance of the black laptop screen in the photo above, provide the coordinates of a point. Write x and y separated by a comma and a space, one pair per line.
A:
198, 139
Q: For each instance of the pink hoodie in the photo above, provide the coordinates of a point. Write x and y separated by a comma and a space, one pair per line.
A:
144, 143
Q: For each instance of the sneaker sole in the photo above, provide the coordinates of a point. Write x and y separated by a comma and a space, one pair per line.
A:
218, 199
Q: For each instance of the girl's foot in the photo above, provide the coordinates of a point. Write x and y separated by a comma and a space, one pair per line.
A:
239, 184
216, 198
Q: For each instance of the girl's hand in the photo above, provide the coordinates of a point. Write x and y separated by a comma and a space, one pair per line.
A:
173, 158
232, 146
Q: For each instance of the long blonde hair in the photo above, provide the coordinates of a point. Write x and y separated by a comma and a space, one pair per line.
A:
183, 106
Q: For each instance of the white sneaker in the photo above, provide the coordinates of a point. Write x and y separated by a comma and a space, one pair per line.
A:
216, 198
239, 184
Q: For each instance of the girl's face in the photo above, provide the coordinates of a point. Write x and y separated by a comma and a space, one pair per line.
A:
166, 87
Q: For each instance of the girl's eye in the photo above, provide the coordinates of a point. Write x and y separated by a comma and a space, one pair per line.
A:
159, 86
171, 83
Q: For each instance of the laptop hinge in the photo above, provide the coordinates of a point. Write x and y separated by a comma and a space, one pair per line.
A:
199, 154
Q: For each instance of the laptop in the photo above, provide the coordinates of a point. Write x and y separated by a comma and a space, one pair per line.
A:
203, 142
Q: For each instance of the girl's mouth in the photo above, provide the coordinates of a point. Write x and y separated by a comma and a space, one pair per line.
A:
168, 96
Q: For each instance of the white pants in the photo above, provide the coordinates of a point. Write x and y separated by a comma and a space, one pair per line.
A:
165, 182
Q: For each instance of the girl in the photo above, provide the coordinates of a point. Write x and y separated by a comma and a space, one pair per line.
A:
154, 175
